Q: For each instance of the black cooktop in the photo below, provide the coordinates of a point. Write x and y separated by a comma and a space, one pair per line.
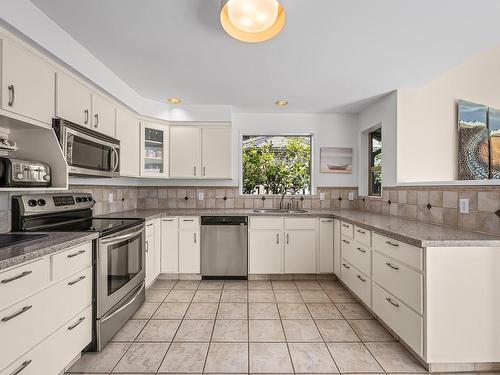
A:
8, 239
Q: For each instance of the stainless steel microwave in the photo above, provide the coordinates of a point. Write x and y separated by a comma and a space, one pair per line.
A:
87, 152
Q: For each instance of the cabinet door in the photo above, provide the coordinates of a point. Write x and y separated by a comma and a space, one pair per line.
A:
103, 115
128, 132
170, 245
73, 100
265, 252
150, 259
336, 248
189, 251
184, 152
216, 148
300, 251
326, 245
157, 227
27, 83
154, 140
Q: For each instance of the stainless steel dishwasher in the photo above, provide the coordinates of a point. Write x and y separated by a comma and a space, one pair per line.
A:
224, 247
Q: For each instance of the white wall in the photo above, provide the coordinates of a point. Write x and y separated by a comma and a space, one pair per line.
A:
382, 113
427, 123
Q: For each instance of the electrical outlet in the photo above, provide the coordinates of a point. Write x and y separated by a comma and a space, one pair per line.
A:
351, 196
464, 206
110, 198
200, 196
321, 196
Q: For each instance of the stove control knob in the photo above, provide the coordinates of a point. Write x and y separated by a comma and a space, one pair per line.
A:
42, 202
78, 200
20, 176
46, 177
32, 203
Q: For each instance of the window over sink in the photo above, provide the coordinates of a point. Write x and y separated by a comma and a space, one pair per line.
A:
276, 164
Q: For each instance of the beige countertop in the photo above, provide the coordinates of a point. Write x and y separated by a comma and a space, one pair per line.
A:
410, 231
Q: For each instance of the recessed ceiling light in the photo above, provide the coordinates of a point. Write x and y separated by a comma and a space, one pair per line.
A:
174, 100
281, 102
252, 20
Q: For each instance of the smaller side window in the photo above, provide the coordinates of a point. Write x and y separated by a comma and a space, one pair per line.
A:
375, 162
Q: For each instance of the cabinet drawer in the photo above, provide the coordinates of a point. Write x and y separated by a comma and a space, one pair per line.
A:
300, 223
347, 229
359, 283
189, 223
401, 251
18, 283
150, 228
57, 350
273, 223
363, 236
400, 280
70, 261
402, 320
359, 256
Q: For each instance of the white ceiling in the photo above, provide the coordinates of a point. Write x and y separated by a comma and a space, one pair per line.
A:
331, 53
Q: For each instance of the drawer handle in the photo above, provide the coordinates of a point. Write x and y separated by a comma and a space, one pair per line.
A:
73, 326
392, 244
392, 266
168, 219
75, 254
150, 224
345, 226
187, 219
326, 220
360, 231
345, 241
391, 302
363, 280
360, 249
346, 266
22, 311
25, 273
22, 367
77, 280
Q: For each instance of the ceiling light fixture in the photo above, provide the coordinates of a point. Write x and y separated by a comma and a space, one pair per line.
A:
252, 20
281, 102
174, 100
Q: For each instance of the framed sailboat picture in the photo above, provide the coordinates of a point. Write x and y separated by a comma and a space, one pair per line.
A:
335, 160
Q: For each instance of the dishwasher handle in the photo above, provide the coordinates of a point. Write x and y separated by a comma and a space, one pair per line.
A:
224, 220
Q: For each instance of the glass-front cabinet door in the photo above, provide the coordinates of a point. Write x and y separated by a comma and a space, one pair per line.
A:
154, 140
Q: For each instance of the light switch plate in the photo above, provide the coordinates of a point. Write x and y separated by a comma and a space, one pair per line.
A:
321, 196
110, 198
351, 196
200, 196
464, 206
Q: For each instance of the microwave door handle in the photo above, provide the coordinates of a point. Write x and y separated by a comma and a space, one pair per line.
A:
115, 159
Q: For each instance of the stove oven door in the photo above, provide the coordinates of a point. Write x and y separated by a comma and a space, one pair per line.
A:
120, 267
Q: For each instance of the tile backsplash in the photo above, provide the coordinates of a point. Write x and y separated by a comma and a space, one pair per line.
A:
440, 205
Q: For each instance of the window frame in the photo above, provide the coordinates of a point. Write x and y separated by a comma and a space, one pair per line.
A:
270, 134
371, 168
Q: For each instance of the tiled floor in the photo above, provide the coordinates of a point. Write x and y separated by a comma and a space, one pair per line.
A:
258, 327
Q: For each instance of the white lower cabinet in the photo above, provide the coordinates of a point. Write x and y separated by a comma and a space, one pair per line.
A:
180, 245
300, 251
337, 257
326, 246
46, 328
265, 251
153, 250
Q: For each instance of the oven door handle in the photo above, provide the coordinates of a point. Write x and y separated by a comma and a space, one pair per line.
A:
132, 299
124, 236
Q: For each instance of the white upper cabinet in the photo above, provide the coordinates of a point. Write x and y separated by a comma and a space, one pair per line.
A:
103, 115
73, 100
154, 150
185, 152
27, 83
128, 132
216, 146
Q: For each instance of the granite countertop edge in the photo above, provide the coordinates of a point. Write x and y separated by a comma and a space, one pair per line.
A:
431, 235
54, 242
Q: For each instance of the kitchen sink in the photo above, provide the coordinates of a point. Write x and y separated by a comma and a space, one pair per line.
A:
279, 211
